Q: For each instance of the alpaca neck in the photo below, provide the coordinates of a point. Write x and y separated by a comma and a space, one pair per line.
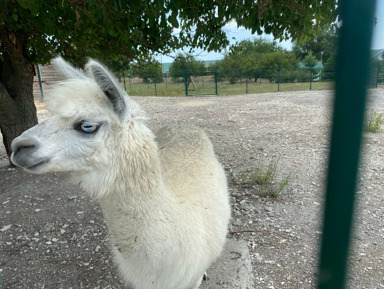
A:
133, 189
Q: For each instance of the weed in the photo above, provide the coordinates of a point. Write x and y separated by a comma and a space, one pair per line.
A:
374, 121
264, 178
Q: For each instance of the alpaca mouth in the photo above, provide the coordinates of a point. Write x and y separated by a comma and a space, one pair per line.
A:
36, 165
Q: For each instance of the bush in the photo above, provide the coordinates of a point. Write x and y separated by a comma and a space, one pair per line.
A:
264, 178
374, 122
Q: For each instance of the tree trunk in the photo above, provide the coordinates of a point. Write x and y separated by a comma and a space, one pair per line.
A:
17, 107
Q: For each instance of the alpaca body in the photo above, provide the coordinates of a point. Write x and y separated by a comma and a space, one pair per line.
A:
164, 197
166, 231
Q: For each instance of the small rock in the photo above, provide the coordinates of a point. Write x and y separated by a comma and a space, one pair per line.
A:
5, 228
268, 209
237, 222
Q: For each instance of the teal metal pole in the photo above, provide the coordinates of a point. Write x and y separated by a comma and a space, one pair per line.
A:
186, 83
40, 83
310, 77
216, 82
246, 81
350, 94
155, 81
378, 73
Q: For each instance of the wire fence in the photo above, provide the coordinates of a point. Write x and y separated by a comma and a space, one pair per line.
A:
236, 81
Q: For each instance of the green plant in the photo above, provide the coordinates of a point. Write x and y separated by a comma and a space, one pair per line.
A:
264, 178
374, 121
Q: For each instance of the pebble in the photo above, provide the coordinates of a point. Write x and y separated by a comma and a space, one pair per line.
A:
237, 222
5, 228
268, 209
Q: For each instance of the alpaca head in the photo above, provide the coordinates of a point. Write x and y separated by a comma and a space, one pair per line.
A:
87, 111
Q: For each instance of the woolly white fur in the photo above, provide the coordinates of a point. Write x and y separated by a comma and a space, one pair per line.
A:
164, 197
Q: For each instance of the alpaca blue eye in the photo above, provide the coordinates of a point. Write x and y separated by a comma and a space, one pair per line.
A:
87, 127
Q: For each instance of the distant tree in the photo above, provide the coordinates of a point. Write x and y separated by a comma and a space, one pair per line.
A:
309, 71
322, 46
257, 58
185, 65
231, 68
283, 60
329, 70
149, 70
310, 60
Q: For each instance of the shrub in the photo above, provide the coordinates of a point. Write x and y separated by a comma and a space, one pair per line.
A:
264, 178
374, 121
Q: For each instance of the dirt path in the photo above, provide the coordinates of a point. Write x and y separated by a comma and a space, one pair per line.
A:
53, 236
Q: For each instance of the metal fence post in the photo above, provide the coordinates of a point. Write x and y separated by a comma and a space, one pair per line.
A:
202, 75
155, 81
278, 78
130, 76
40, 83
348, 116
377, 75
246, 81
216, 82
310, 77
186, 83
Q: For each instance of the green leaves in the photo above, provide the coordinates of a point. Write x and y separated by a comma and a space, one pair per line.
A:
108, 28
173, 19
32, 5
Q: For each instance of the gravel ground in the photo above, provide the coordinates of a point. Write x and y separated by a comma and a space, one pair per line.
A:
52, 235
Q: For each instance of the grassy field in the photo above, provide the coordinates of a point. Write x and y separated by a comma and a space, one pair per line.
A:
206, 86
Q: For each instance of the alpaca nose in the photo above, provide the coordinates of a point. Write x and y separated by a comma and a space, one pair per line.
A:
23, 145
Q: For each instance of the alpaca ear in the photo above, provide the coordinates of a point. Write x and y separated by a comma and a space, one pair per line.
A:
108, 85
66, 70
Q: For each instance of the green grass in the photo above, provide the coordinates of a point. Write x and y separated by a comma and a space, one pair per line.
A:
374, 121
264, 178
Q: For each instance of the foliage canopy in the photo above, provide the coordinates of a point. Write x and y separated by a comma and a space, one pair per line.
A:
106, 28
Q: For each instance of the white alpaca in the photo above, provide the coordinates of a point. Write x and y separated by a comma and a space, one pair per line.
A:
164, 196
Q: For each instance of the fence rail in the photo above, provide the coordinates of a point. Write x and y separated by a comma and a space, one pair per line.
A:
237, 81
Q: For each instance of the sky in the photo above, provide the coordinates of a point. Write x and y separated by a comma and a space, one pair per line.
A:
241, 33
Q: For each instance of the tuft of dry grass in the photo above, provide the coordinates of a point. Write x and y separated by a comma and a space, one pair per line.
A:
264, 178
374, 121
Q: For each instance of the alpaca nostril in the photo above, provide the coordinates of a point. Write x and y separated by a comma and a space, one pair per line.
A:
23, 147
